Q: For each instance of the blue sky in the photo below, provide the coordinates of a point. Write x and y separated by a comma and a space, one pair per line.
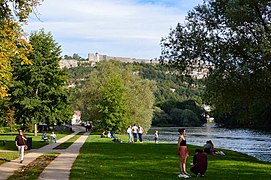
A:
127, 28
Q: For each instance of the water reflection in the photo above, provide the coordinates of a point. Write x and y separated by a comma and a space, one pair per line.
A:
253, 143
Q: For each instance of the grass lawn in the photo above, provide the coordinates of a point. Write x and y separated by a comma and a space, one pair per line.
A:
37, 142
100, 158
8, 156
35, 168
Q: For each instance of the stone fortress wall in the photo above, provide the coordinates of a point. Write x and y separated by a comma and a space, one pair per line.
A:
96, 57
93, 58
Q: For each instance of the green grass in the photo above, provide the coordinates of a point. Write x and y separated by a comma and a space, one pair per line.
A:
37, 142
35, 168
102, 159
69, 142
8, 156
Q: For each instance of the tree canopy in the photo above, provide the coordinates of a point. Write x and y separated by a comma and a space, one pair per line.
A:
13, 43
234, 36
113, 98
38, 93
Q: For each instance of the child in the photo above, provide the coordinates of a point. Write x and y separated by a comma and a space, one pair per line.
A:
53, 137
156, 137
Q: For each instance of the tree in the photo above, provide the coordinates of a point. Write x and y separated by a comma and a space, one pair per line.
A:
113, 98
234, 36
39, 93
13, 45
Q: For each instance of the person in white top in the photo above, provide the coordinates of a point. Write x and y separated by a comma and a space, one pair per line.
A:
129, 132
140, 132
53, 137
156, 137
109, 134
134, 131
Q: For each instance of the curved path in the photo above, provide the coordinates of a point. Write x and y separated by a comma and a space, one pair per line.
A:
59, 168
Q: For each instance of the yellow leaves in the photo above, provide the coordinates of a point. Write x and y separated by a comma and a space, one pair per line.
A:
13, 46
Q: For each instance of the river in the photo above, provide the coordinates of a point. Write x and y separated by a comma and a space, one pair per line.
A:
253, 143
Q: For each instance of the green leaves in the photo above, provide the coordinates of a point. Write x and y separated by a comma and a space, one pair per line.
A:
234, 36
38, 94
113, 98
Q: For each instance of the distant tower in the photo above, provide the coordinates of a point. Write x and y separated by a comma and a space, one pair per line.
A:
97, 57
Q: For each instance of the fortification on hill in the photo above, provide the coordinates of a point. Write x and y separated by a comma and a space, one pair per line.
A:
199, 70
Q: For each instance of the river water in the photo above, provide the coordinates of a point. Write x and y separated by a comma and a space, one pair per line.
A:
253, 143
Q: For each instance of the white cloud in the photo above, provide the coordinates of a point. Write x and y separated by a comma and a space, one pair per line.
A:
115, 27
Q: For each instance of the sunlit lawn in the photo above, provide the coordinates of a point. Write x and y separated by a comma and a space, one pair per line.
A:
104, 159
8, 156
37, 142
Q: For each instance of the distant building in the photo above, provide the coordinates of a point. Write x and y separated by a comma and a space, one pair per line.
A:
76, 118
198, 71
96, 57
68, 63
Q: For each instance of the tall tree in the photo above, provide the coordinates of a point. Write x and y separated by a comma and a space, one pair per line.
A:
114, 98
235, 37
39, 93
13, 44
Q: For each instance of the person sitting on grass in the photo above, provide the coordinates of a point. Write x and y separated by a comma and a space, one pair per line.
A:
44, 137
112, 133
199, 163
103, 135
209, 147
53, 137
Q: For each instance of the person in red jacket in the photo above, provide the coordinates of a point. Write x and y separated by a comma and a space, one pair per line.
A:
199, 163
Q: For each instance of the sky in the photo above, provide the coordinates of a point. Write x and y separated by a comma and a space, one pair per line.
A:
124, 28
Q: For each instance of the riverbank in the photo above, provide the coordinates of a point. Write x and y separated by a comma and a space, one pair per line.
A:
100, 158
253, 143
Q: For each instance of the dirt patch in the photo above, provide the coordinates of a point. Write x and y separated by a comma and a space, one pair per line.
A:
34, 169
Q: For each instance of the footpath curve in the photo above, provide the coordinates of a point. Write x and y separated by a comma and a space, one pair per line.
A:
59, 168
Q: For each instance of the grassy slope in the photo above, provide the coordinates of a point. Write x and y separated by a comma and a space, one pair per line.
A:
103, 159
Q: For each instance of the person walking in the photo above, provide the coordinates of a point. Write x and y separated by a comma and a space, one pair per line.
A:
129, 132
20, 142
183, 154
140, 133
156, 137
134, 131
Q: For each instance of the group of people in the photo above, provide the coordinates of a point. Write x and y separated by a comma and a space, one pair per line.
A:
200, 162
46, 138
88, 126
21, 142
135, 132
110, 134
199, 165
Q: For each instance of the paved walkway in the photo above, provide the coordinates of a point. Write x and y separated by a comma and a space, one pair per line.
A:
57, 169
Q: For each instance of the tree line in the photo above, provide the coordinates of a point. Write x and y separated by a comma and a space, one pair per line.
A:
231, 35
